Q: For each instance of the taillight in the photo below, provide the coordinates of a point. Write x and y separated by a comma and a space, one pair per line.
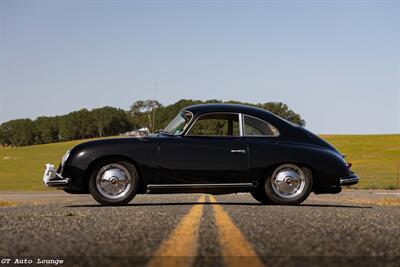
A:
348, 164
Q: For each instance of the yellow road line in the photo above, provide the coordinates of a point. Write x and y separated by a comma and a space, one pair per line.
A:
180, 248
236, 250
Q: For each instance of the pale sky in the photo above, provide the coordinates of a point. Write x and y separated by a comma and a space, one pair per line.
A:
336, 63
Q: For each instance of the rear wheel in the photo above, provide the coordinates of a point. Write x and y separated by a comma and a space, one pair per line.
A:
289, 184
113, 182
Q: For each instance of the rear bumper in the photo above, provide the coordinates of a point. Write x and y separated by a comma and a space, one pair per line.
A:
53, 179
349, 180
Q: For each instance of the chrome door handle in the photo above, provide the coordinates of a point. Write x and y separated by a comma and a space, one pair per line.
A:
238, 151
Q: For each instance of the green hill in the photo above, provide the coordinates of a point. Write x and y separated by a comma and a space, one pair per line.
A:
375, 158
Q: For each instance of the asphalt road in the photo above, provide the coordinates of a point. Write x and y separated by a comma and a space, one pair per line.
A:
203, 230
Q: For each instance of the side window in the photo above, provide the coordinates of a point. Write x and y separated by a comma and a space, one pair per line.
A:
216, 124
257, 127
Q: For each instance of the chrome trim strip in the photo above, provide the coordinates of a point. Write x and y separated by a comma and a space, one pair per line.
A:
65, 158
238, 151
241, 125
187, 124
216, 185
58, 182
350, 180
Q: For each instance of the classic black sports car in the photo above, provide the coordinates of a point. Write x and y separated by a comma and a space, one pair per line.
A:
209, 148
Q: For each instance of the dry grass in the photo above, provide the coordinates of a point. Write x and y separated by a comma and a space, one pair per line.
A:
387, 201
7, 203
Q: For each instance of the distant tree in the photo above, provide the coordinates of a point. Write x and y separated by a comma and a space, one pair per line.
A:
282, 110
165, 114
145, 106
110, 121
17, 132
45, 130
143, 113
4, 139
69, 126
107, 121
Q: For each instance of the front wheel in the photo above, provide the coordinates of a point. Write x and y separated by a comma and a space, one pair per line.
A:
288, 184
113, 182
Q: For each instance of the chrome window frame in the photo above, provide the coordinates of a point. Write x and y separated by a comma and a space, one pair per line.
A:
241, 125
186, 125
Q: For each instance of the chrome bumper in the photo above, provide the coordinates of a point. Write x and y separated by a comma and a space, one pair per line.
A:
52, 178
349, 180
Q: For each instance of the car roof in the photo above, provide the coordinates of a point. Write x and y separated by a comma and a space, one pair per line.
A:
282, 125
220, 107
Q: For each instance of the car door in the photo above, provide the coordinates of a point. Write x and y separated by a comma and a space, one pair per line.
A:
262, 141
212, 151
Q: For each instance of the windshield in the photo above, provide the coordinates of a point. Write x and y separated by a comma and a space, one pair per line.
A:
179, 123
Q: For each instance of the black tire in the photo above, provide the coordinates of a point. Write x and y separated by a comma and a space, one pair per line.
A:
101, 197
261, 196
277, 199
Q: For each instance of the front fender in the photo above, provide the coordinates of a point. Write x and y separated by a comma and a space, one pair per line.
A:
142, 153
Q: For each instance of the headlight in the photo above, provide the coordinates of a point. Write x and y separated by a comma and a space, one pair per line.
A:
65, 157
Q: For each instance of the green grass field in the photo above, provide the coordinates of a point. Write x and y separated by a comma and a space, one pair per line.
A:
22, 168
375, 158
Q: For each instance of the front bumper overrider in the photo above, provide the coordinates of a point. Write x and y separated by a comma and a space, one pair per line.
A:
52, 178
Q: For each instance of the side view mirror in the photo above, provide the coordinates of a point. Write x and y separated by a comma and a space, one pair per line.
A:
143, 131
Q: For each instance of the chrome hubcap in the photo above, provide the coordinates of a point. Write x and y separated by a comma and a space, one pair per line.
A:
113, 181
288, 181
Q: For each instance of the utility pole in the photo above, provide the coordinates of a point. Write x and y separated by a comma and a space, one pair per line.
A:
154, 108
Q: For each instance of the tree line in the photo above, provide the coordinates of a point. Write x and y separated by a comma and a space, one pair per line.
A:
109, 121
79, 124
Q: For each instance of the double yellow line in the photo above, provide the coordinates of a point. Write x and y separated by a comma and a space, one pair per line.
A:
180, 248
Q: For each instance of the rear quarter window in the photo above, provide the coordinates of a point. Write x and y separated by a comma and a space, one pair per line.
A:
257, 127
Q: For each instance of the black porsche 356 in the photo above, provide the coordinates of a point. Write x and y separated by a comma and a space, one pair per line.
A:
211, 148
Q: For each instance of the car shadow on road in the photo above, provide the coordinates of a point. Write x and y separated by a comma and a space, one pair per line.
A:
219, 203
